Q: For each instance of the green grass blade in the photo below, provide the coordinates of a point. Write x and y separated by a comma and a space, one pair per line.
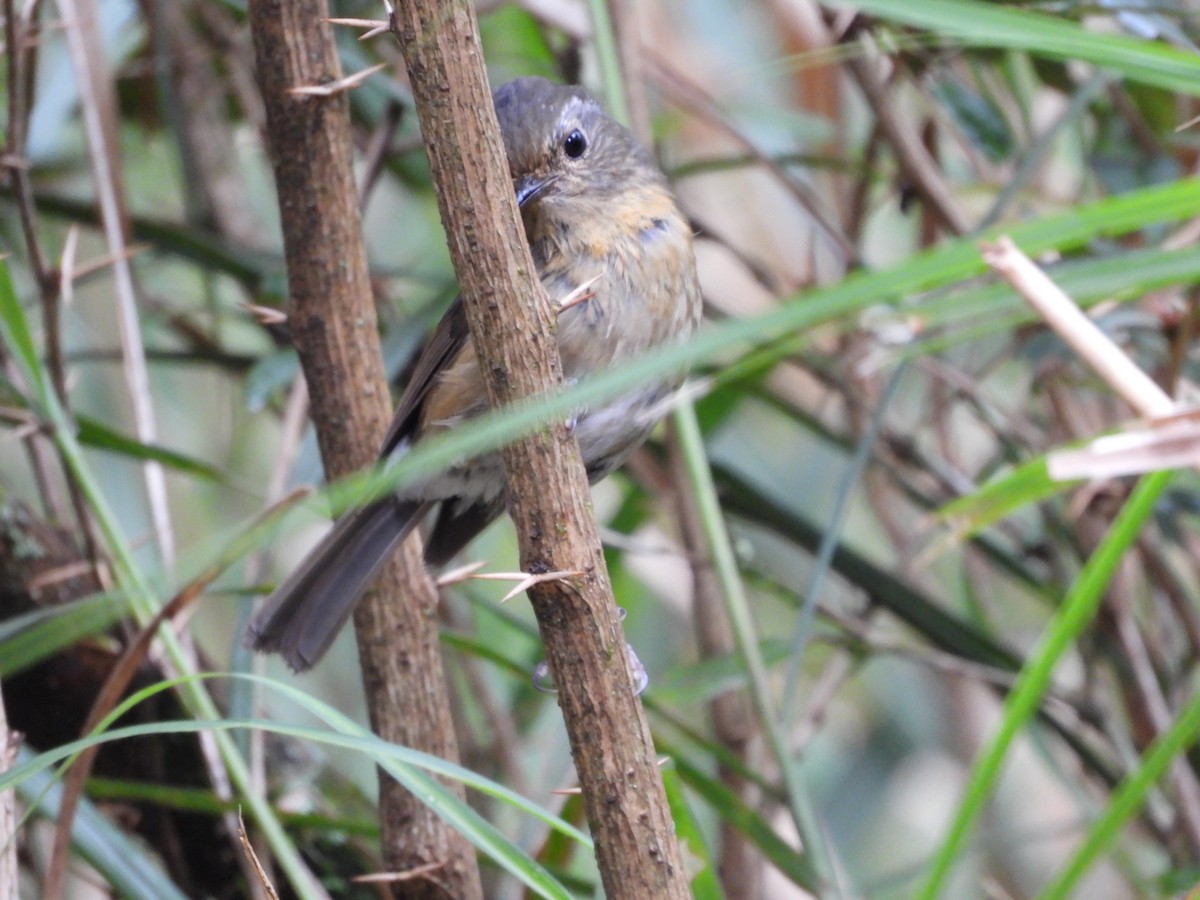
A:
93, 433
122, 862
946, 265
33, 636
1126, 800
131, 582
704, 882
1076, 612
1027, 484
411, 768
976, 24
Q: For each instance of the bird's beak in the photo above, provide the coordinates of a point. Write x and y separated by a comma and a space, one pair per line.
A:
530, 187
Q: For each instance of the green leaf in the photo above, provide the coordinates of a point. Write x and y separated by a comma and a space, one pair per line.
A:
27, 639
123, 863
94, 433
702, 874
979, 118
14, 327
411, 768
972, 23
1077, 610
1027, 484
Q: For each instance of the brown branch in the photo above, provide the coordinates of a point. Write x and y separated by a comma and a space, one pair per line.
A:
20, 36
513, 330
186, 65
914, 160
333, 322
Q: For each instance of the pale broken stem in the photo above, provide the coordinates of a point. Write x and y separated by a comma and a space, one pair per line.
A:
574, 791
375, 27
579, 295
248, 849
1077, 330
524, 580
460, 574
396, 877
336, 87
97, 106
266, 315
470, 572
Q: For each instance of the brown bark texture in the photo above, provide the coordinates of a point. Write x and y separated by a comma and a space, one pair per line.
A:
333, 322
548, 498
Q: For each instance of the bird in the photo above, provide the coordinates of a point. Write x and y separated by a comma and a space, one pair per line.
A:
603, 229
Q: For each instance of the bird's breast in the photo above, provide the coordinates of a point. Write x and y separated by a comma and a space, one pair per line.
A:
645, 293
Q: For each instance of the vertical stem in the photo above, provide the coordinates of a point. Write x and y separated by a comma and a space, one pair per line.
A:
747, 640
333, 321
548, 497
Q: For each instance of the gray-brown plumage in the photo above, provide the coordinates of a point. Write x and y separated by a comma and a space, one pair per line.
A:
595, 206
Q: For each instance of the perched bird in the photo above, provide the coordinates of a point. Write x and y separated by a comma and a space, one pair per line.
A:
596, 209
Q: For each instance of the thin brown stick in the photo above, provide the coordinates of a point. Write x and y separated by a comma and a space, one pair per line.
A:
512, 325
20, 39
1179, 595
264, 883
911, 154
683, 90
195, 108
333, 322
378, 150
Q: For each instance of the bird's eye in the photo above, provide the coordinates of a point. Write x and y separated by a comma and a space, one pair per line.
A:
575, 144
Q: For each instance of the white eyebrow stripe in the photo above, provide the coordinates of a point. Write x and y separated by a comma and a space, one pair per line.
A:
572, 112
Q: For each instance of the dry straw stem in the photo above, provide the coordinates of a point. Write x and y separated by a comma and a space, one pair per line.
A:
99, 110
1077, 330
512, 321
264, 882
1175, 438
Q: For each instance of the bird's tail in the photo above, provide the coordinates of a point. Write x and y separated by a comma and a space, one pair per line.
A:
302, 617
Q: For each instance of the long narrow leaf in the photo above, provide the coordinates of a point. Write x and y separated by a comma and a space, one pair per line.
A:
1127, 800
122, 862
972, 23
1077, 611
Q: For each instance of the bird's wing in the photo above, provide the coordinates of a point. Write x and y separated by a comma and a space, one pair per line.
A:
448, 340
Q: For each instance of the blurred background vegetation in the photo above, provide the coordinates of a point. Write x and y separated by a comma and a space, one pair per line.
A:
900, 661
